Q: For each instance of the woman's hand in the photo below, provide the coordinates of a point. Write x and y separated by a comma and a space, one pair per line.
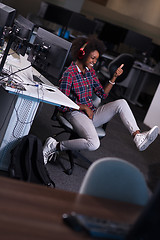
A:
111, 83
87, 110
119, 71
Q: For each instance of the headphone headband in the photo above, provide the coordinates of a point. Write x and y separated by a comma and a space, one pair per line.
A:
81, 52
84, 45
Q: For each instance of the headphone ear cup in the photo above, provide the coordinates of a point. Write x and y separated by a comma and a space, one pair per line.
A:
81, 53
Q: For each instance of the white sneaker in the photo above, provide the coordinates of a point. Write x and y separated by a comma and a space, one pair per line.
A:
49, 149
143, 140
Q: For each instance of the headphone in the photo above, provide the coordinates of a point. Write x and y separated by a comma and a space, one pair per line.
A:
81, 52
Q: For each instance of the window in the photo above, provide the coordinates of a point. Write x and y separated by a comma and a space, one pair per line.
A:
101, 2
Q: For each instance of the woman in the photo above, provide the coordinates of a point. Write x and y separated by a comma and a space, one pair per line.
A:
79, 82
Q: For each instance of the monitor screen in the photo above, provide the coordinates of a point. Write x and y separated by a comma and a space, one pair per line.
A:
81, 23
48, 54
54, 13
138, 41
112, 33
22, 30
7, 15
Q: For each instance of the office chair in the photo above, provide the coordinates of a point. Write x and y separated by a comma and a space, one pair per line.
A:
117, 179
106, 72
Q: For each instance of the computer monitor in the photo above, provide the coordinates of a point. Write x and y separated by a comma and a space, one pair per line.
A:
99, 26
7, 15
22, 32
18, 38
81, 23
138, 41
48, 54
112, 33
54, 13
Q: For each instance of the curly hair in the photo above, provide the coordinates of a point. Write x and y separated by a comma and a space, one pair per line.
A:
93, 43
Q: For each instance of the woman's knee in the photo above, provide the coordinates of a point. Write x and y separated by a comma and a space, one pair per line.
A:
93, 145
122, 102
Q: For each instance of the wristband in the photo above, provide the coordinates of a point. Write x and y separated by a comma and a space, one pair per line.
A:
111, 82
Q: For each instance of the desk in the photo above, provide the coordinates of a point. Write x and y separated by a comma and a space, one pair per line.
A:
152, 117
19, 107
136, 80
33, 212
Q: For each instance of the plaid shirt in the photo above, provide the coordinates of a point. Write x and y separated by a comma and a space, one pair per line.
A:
79, 87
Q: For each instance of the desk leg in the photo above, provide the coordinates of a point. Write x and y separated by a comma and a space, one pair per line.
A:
138, 88
19, 125
133, 92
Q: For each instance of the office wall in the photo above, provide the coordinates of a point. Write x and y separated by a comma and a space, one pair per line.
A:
143, 10
142, 16
73, 5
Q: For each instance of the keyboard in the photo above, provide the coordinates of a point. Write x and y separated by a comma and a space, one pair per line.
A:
97, 227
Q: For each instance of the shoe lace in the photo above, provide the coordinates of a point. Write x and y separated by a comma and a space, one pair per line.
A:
51, 154
55, 155
142, 136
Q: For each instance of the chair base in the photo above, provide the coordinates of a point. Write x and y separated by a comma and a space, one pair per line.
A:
72, 155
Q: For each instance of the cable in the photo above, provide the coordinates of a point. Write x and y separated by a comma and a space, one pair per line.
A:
16, 72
